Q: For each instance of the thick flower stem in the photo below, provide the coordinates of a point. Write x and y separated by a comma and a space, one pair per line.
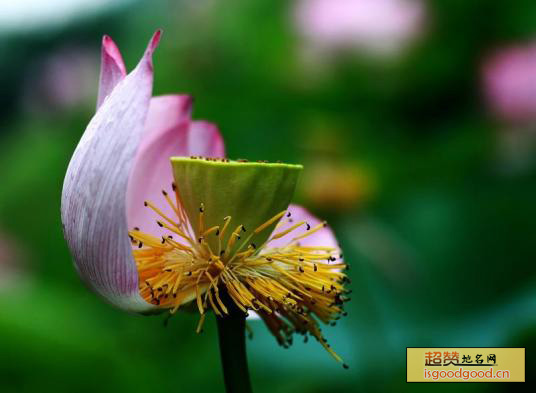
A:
231, 332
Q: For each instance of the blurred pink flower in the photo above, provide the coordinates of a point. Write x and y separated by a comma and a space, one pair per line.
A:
376, 26
63, 80
509, 78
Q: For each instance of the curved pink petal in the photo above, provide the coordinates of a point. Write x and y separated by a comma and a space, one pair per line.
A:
323, 237
204, 139
93, 207
112, 69
165, 135
168, 132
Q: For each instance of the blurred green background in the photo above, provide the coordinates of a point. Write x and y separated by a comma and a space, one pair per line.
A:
430, 191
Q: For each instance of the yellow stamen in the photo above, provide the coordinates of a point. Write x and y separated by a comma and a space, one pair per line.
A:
215, 228
286, 231
292, 287
200, 324
311, 231
201, 218
269, 222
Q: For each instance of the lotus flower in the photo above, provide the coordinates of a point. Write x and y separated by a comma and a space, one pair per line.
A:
377, 26
509, 77
156, 218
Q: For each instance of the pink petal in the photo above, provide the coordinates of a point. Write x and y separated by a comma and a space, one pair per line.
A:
93, 207
165, 133
324, 237
168, 132
204, 139
112, 69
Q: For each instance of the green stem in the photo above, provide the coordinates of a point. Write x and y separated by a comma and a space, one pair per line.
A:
231, 333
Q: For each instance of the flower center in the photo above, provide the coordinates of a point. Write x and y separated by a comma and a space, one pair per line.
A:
290, 287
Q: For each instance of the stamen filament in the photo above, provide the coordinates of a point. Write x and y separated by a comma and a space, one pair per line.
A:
292, 287
269, 222
286, 231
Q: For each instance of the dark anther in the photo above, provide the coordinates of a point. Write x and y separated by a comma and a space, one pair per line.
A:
170, 237
301, 269
136, 228
201, 209
340, 256
301, 259
243, 228
288, 214
140, 245
160, 224
164, 192
131, 238
163, 239
315, 267
217, 232
325, 224
269, 259
144, 203
189, 273
222, 252
308, 226
254, 246
200, 239
173, 186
